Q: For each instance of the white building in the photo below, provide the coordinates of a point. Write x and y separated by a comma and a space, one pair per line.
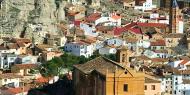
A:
176, 82
79, 48
181, 85
166, 85
148, 5
89, 29
10, 80
107, 50
111, 20
115, 42
175, 64
6, 60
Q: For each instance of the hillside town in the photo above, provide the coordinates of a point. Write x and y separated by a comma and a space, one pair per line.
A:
94, 47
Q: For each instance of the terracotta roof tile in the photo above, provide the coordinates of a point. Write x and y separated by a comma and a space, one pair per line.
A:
42, 80
119, 30
184, 62
131, 40
143, 57
160, 51
115, 17
20, 44
181, 72
9, 76
152, 25
77, 22
25, 66
88, 41
100, 64
158, 43
172, 35
12, 46
136, 30
93, 17
159, 60
17, 90
148, 80
104, 28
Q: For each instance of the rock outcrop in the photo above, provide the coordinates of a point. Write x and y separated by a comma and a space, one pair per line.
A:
17, 16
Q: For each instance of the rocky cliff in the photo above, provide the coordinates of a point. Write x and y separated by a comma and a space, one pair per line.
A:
17, 16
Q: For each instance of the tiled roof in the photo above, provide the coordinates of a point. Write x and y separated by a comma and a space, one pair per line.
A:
148, 80
131, 40
12, 46
77, 22
172, 35
143, 57
152, 25
119, 30
42, 80
100, 64
159, 60
20, 44
93, 17
158, 43
181, 72
9, 76
18, 90
160, 51
115, 17
44, 46
24, 66
136, 30
184, 62
104, 28
88, 41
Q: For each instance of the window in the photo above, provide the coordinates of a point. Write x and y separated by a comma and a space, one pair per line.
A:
125, 87
152, 87
5, 80
123, 58
114, 41
12, 59
145, 87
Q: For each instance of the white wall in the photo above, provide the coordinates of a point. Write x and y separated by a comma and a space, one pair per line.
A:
115, 42
181, 26
146, 6
90, 31
7, 81
79, 50
106, 50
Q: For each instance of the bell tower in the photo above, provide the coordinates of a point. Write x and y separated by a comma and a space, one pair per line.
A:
123, 56
174, 17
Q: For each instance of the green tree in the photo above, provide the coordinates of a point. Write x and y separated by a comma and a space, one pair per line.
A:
111, 56
65, 61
